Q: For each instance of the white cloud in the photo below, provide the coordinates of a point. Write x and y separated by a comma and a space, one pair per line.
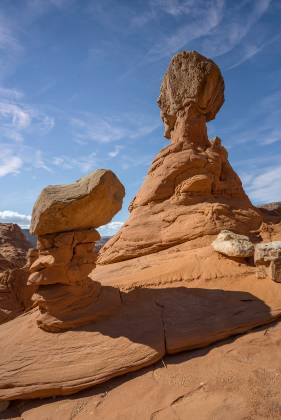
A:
115, 152
265, 186
18, 118
10, 216
111, 228
10, 164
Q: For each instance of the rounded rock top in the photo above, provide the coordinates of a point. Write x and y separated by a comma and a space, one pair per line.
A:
89, 202
191, 78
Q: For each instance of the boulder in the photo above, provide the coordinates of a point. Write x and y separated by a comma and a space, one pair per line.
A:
191, 79
190, 190
91, 201
233, 245
267, 252
268, 260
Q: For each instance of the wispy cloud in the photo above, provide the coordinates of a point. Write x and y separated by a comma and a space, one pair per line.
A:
201, 17
264, 120
10, 216
115, 151
107, 129
10, 164
83, 163
18, 118
264, 185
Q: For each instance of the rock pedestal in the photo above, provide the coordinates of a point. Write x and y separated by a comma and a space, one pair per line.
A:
65, 296
191, 190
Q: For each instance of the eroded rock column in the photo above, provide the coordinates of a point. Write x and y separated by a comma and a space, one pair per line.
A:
64, 219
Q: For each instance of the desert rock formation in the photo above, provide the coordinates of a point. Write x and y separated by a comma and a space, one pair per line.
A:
14, 293
64, 217
161, 288
237, 379
191, 189
90, 202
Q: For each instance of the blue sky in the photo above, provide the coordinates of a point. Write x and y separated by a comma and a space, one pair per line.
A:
79, 81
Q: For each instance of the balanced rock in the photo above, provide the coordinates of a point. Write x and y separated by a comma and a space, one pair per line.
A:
191, 189
233, 245
65, 296
268, 260
90, 202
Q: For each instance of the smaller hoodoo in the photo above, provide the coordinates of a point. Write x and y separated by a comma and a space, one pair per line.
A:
65, 217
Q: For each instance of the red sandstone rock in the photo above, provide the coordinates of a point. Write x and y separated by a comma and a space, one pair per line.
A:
63, 217
91, 201
191, 189
14, 294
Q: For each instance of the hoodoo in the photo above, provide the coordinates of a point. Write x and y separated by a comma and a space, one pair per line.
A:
64, 217
191, 189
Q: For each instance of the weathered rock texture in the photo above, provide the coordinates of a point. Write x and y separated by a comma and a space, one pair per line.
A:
237, 379
90, 202
13, 246
181, 298
14, 293
191, 189
66, 298
268, 260
233, 245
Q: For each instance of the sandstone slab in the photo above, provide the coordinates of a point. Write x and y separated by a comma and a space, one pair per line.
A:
168, 302
238, 379
89, 202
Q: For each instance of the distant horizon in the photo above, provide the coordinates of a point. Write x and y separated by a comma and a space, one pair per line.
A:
79, 83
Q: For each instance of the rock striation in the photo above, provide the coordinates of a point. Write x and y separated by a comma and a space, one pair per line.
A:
14, 293
191, 190
64, 218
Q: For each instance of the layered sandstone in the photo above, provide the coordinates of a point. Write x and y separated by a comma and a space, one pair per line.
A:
64, 217
14, 293
191, 190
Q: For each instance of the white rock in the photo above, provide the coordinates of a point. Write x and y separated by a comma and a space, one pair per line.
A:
233, 245
266, 252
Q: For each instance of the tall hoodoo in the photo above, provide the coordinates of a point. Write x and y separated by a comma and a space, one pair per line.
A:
64, 217
191, 189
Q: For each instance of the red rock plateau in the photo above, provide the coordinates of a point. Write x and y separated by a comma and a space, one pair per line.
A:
168, 282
